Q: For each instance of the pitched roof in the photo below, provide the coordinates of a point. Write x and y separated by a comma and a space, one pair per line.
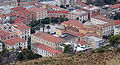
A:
75, 23
65, 12
2, 16
23, 12
103, 18
20, 26
46, 48
37, 9
18, 8
13, 41
48, 37
117, 22
4, 34
74, 33
115, 6
78, 1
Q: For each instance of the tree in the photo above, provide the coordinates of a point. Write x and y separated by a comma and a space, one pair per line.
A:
66, 48
38, 27
32, 30
43, 26
114, 40
48, 27
7, 57
117, 17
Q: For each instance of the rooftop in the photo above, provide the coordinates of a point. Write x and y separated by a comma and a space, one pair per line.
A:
95, 38
13, 41
18, 8
37, 9
117, 22
46, 48
78, 1
74, 23
103, 18
48, 37
20, 26
67, 36
64, 12
115, 6
4, 33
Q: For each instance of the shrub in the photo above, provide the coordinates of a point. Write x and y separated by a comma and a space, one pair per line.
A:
118, 49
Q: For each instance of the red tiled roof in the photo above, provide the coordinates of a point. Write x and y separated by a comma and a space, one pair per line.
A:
115, 6
103, 18
19, 19
18, 8
37, 9
5, 34
46, 48
82, 42
65, 12
23, 12
2, 16
74, 33
75, 23
48, 37
20, 26
117, 22
78, 1
13, 41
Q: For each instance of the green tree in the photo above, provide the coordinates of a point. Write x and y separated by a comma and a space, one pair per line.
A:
66, 48
114, 40
38, 27
117, 17
32, 30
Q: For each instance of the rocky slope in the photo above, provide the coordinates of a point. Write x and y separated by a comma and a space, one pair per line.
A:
87, 58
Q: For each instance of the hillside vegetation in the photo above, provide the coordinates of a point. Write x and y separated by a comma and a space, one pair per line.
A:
86, 58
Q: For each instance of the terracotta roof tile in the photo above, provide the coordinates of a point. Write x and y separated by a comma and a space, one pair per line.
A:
20, 26
13, 41
75, 33
117, 22
74, 23
115, 6
18, 8
46, 48
37, 9
48, 37
5, 34
65, 12
103, 18
78, 1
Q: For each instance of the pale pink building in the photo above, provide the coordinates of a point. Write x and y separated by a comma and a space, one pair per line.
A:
16, 43
6, 35
21, 30
38, 13
57, 13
